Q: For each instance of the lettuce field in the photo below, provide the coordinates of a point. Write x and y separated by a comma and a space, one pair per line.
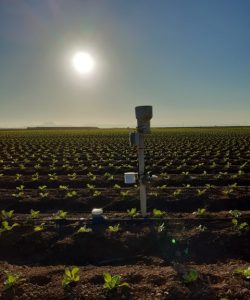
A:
194, 243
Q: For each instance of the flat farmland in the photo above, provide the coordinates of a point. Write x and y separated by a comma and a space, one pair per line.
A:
193, 244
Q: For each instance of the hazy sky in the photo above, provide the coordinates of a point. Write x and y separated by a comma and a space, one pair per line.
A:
190, 59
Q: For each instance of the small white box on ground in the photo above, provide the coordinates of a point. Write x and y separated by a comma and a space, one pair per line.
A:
130, 177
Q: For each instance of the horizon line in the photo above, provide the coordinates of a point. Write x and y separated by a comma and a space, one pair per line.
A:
117, 127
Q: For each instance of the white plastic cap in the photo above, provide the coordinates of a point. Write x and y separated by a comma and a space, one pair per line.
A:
97, 211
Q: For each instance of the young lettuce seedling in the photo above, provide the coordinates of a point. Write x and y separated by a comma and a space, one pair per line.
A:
11, 280
70, 276
112, 282
42, 188
117, 186
35, 177
20, 192
71, 194
7, 215
60, 215
44, 195
72, 176
39, 227
90, 186
244, 272
157, 213
124, 193
113, 229
63, 187
190, 276
18, 176
97, 193
235, 213
84, 229
7, 227
201, 228
34, 213
200, 212
238, 225
201, 192
161, 227
132, 212
53, 176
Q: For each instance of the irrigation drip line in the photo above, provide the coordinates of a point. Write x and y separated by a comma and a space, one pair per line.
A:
144, 221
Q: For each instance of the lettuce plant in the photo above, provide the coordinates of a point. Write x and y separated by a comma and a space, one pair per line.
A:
40, 227
7, 227
84, 229
190, 276
154, 194
124, 193
34, 213
117, 186
97, 193
177, 192
112, 282
157, 213
238, 225
44, 194
161, 227
244, 272
63, 187
35, 177
201, 192
20, 191
53, 176
132, 212
18, 176
42, 188
201, 228
11, 280
70, 276
72, 176
71, 194
90, 186
109, 176
60, 215
235, 213
91, 176
113, 229
7, 215
200, 212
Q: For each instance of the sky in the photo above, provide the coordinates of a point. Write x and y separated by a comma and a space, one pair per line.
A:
189, 59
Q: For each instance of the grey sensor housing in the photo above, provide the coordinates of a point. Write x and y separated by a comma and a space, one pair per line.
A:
143, 115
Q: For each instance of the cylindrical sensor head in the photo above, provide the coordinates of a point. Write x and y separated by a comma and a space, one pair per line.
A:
143, 115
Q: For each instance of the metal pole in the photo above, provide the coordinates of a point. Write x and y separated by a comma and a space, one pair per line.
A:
143, 197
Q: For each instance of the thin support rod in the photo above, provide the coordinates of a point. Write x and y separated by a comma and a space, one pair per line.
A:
143, 196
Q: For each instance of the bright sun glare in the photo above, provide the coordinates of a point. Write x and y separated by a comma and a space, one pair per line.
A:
83, 62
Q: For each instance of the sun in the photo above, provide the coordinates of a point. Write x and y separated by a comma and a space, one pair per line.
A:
83, 62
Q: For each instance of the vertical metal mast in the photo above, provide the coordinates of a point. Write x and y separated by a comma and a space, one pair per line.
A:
142, 181
143, 115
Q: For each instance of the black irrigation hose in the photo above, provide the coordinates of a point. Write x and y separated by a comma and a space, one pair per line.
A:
130, 221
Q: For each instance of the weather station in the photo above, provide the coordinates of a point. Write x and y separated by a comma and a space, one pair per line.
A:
136, 139
143, 115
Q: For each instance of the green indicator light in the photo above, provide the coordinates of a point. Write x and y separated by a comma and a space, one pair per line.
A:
173, 241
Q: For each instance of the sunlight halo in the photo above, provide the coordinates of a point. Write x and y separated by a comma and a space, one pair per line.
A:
83, 62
